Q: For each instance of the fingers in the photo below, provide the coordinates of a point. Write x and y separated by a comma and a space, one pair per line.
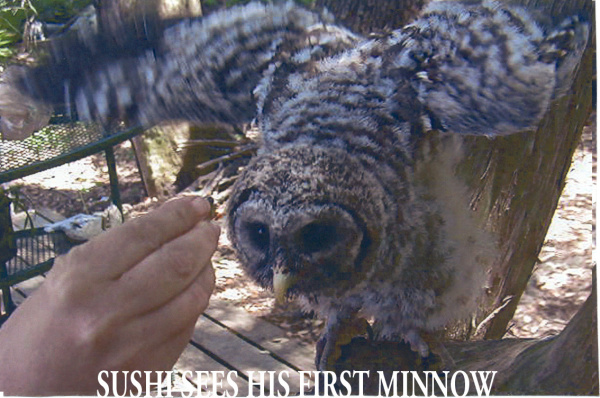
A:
168, 328
130, 297
180, 314
165, 273
112, 254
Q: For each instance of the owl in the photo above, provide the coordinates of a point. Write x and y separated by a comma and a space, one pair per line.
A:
345, 207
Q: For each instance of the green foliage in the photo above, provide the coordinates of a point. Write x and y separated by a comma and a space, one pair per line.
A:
14, 13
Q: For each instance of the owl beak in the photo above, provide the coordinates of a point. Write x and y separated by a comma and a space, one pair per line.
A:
282, 281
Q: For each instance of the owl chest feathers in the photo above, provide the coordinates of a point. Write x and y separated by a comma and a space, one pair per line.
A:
410, 248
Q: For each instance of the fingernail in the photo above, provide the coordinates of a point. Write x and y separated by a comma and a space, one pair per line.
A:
202, 205
213, 206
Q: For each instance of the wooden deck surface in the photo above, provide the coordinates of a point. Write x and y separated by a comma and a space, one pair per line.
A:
227, 339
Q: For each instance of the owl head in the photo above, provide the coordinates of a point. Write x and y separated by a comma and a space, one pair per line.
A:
305, 220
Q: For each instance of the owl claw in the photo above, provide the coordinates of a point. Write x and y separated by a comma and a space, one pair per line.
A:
329, 346
430, 348
417, 344
321, 354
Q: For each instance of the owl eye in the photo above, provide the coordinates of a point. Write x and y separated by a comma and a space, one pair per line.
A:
258, 234
316, 237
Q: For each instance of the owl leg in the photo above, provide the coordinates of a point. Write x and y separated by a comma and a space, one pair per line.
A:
417, 343
426, 344
339, 333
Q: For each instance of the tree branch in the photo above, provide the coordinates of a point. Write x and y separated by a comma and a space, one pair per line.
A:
560, 365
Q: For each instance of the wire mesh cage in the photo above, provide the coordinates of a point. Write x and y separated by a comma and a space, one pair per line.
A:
35, 255
48, 143
60, 142
31, 252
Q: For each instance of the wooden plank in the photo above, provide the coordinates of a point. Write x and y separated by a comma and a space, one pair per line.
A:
194, 360
21, 291
51, 215
16, 296
249, 360
40, 218
20, 219
268, 336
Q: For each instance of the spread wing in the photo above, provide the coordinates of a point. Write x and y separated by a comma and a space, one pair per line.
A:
201, 69
471, 68
484, 67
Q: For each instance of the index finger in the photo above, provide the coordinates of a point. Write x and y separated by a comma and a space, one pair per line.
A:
116, 251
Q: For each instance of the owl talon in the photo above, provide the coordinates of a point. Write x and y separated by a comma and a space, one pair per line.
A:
430, 350
329, 346
321, 352
417, 344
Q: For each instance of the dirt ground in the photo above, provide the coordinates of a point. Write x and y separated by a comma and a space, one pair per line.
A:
560, 283
562, 279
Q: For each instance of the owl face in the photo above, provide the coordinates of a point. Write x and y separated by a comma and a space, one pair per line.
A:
297, 221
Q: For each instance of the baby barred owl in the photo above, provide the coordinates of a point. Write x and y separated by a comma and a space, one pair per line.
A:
337, 209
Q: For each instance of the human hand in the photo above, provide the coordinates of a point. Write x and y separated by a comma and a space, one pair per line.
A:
126, 300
